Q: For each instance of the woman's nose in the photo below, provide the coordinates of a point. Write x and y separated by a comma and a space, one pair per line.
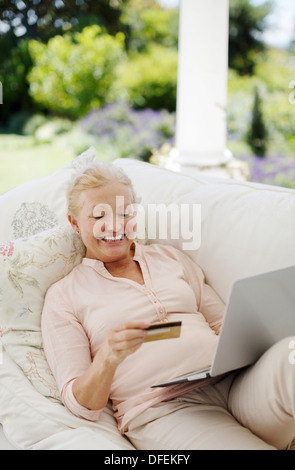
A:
113, 224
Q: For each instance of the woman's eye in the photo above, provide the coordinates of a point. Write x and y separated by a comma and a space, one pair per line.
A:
126, 214
129, 214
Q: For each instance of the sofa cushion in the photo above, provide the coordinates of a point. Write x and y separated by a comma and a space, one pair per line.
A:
32, 422
28, 266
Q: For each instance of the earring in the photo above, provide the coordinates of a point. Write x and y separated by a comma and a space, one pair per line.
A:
78, 231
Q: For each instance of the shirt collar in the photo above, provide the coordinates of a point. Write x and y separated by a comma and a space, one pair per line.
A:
99, 265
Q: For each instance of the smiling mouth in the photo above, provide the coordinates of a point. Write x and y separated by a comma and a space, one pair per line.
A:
112, 239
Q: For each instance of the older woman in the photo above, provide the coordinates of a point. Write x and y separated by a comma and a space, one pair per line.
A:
94, 325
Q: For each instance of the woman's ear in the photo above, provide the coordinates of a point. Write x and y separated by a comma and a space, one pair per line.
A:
73, 223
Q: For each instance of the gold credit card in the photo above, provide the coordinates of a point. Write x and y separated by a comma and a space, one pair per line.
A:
163, 330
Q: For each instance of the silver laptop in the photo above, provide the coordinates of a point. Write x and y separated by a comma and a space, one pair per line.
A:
260, 312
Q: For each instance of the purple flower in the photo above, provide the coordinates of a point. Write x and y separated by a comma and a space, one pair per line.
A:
272, 169
139, 131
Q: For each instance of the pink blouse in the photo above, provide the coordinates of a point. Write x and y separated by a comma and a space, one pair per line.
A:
79, 310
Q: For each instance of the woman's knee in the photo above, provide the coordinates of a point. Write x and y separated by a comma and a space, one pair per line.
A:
262, 397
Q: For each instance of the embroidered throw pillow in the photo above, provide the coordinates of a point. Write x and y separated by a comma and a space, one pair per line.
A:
28, 267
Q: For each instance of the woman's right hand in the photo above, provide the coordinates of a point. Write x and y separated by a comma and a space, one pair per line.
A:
92, 389
123, 340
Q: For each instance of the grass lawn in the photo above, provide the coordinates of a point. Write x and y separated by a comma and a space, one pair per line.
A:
22, 159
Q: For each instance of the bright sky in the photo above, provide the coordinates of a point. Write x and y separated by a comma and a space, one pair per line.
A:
281, 22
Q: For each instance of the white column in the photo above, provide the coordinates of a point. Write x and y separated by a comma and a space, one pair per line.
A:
202, 84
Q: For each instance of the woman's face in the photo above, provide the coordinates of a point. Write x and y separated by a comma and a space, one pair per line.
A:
106, 222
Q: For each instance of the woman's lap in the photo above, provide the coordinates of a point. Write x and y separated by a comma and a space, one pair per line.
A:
253, 409
197, 420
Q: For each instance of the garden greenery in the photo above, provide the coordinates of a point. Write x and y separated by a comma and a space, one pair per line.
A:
149, 79
74, 73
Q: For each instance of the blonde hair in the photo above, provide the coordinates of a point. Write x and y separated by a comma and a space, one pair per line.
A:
95, 175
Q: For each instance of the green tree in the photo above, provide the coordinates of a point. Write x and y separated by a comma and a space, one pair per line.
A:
42, 19
74, 73
258, 135
246, 23
22, 20
149, 79
13, 73
145, 22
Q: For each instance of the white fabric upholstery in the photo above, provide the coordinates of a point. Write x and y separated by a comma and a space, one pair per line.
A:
245, 229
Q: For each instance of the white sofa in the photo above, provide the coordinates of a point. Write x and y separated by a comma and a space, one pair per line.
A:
245, 229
